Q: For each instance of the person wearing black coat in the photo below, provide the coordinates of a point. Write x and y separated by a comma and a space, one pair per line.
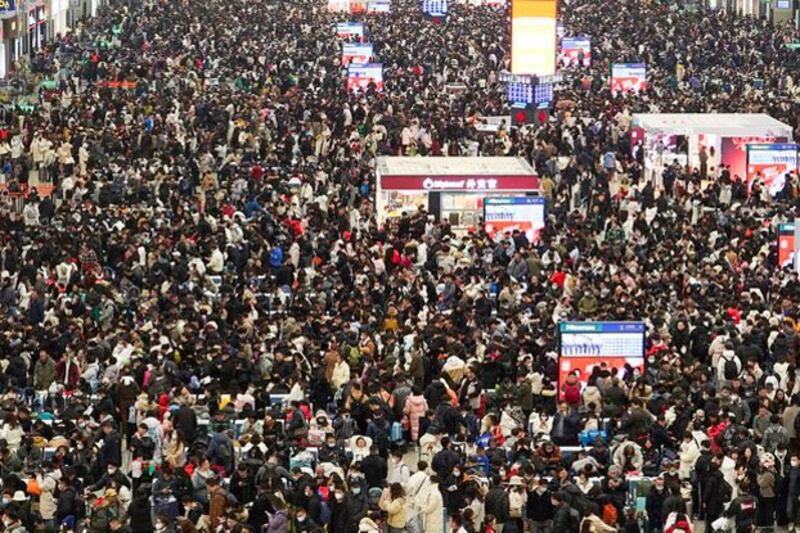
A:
561, 509
66, 505
496, 501
540, 508
140, 512
340, 512
714, 499
185, 420
357, 507
111, 452
374, 468
655, 506
445, 459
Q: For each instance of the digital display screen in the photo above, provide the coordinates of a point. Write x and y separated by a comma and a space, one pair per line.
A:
356, 53
770, 163
585, 345
434, 7
523, 213
360, 76
628, 77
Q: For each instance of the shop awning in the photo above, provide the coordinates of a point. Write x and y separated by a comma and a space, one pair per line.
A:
471, 174
721, 124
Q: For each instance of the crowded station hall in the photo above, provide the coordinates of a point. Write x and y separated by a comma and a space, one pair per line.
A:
402, 266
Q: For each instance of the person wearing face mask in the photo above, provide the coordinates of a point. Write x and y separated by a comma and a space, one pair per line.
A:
358, 504
332, 452
339, 512
112, 475
12, 523
655, 506
304, 524
793, 491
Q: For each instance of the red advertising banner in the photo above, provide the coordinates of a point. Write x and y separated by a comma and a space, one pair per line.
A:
734, 152
459, 183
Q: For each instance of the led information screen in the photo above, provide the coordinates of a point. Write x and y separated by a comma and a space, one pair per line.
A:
585, 345
628, 77
356, 53
434, 7
523, 213
523, 93
772, 162
360, 76
573, 47
533, 37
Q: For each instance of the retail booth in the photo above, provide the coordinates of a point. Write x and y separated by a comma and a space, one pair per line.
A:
449, 187
723, 137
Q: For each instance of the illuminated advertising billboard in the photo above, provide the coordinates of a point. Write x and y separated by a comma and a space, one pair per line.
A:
349, 30
771, 162
628, 77
360, 76
572, 48
533, 37
585, 345
379, 6
506, 214
356, 53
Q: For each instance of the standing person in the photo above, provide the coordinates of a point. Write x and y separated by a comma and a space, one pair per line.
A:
540, 508
743, 509
430, 505
217, 503
717, 492
793, 490
374, 468
766, 479
393, 501
111, 451
655, 506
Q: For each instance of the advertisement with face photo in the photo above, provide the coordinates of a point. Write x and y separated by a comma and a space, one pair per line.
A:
771, 163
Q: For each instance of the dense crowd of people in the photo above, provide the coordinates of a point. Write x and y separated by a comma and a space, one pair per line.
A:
205, 328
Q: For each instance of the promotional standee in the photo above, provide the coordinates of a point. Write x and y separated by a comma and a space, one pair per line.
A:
503, 215
356, 53
350, 30
628, 78
771, 163
359, 77
576, 50
585, 345
787, 245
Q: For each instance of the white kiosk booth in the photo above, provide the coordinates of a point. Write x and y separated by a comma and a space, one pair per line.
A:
448, 187
669, 137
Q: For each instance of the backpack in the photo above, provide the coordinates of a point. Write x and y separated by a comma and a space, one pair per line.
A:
730, 370
726, 491
574, 520
396, 434
353, 356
